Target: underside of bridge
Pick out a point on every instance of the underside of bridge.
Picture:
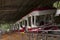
(12, 10)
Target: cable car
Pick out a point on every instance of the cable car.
(38, 19)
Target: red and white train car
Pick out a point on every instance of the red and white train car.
(38, 19)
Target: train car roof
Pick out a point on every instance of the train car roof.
(43, 8)
(37, 10)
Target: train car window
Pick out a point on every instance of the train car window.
(29, 21)
(33, 19)
(20, 24)
(40, 20)
(25, 22)
(48, 19)
(57, 20)
(12, 27)
(37, 20)
(16, 26)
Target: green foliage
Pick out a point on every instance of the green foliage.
(57, 4)
(4, 26)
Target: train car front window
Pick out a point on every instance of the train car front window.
(44, 19)
(40, 20)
